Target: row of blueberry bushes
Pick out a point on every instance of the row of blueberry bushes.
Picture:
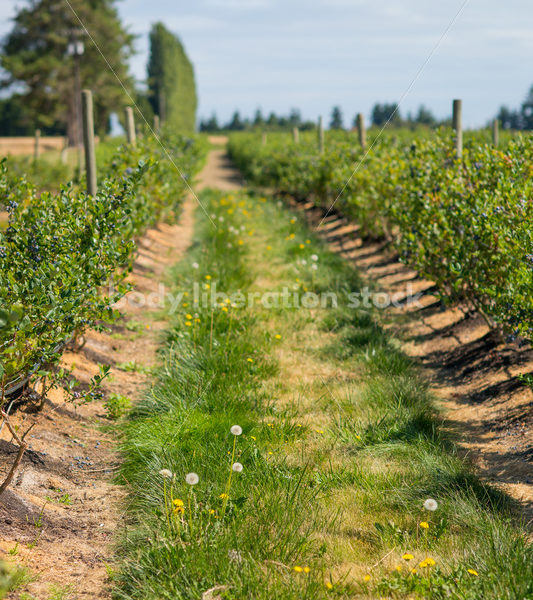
(465, 224)
(60, 250)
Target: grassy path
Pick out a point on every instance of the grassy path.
(287, 450)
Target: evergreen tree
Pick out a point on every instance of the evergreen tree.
(171, 81)
(383, 113)
(35, 59)
(336, 118)
(258, 118)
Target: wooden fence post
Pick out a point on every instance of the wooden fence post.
(457, 122)
(88, 140)
(64, 151)
(296, 135)
(496, 133)
(156, 124)
(361, 131)
(36, 148)
(130, 126)
(320, 136)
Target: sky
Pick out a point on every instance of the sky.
(281, 54)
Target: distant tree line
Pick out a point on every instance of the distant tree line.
(381, 114)
(521, 118)
(271, 122)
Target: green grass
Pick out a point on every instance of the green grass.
(341, 444)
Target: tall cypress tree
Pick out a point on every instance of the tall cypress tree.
(35, 55)
(171, 81)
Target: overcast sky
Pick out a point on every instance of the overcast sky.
(312, 54)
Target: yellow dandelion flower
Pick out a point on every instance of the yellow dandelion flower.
(208, 277)
(302, 246)
(424, 525)
(185, 304)
(179, 507)
(307, 241)
(413, 571)
(329, 585)
(188, 323)
(307, 569)
(428, 562)
(250, 232)
(398, 568)
(291, 236)
(298, 424)
(278, 336)
(269, 247)
(240, 242)
(270, 453)
(298, 569)
(211, 511)
(407, 556)
(223, 496)
(473, 572)
(319, 430)
(293, 221)
(197, 320)
(367, 578)
(188, 317)
(225, 308)
(250, 360)
(185, 294)
(253, 438)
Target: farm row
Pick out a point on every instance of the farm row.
(64, 255)
(463, 223)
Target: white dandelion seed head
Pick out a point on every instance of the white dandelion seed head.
(314, 267)
(165, 473)
(221, 219)
(237, 467)
(431, 504)
(236, 429)
(235, 556)
(195, 265)
(192, 478)
(304, 262)
(314, 257)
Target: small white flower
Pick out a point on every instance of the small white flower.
(192, 478)
(165, 473)
(221, 219)
(237, 467)
(236, 429)
(195, 265)
(304, 262)
(314, 267)
(314, 257)
(431, 504)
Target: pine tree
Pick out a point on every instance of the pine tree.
(34, 54)
(336, 118)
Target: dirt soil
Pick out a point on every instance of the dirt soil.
(60, 514)
(473, 371)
